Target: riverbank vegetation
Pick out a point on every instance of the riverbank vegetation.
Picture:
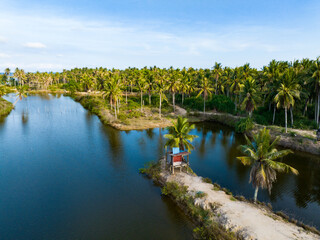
(269, 95)
(5, 106)
(217, 214)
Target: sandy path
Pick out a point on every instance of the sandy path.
(248, 219)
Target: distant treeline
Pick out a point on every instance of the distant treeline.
(291, 86)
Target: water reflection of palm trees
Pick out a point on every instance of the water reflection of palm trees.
(308, 185)
(24, 117)
(150, 133)
(115, 145)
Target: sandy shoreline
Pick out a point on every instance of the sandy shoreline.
(245, 219)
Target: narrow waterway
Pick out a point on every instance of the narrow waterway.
(63, 175)
(215, 157)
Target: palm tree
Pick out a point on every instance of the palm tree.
(161, 86)
(3, 90)
(179, 136)
(149, 83)
(316, 77)
(251, 95)
(141, 83)
(7, 71)
(217, 72)
(173, 86)
(262, 155)
(112, 90)
(287, 91)
(236, 85)
(22, 92)
(206, 89)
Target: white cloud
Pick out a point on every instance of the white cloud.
(3, 39)
(4, 55)
(34, 45)
(90, 43)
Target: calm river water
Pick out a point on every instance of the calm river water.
(63, 175)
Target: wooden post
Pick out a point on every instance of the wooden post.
(187, 163)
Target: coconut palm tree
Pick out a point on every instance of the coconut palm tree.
(217, 72)
(173, 85)
(179, 136)
(262, 155)
(287, 92)
(161, 86)
(141, 84)
(316, 79)
(22, 92)
(251, 94)
(112, 90)
(206, 89)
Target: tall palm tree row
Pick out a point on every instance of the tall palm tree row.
(293, 86)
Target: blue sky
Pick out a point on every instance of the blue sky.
(52, 35)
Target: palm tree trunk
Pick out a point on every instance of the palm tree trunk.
(315, 110)
(318, 108)
(160, 106)
(305, 108)
(274, 114)
(204, 105)
(15, 102)
(285, 113)
(291, 114)
(149, 98)
(215, 92)
(118, 104)
(141, 99)
(174, 102)
(255, 194)
(115, 110)
(182, 97)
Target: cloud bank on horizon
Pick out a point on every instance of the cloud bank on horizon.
(55, 35)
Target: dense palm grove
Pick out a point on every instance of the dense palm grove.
(278, 93)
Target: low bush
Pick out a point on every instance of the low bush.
(244, 125)
(220, 103)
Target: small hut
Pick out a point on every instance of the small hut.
(178, 159)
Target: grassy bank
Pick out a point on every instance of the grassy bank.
(217, 214)
(5, 107)
(299, 140)
(130, 115)
(205, 225)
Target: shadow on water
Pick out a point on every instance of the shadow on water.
(70, 177)
(114, 140)
(298, 196)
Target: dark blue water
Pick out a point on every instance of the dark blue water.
(63, 175)
(215, 157)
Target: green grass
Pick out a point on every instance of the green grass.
(5, 107)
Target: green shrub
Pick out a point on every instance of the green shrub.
(220, 103)
(244, 125)
(207, 180)
(200, 194)
(152, 169)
